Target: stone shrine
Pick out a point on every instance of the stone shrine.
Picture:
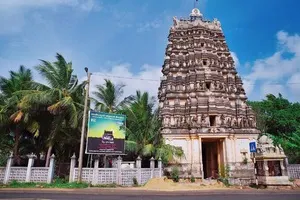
(270, 163)
(202, 100)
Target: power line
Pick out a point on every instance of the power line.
(123, 77)
(156, 80)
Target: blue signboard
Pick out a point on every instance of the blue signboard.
(252, 146)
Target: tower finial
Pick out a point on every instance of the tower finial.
(195, 14)
(195, 3)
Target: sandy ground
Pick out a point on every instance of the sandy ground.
(168, 185)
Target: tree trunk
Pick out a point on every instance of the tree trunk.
(38, 159)
(48, 156)
(16, 147)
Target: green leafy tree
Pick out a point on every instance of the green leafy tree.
(107, 97)
(281, 119)
(62, 97)
(9, 116)
(143, 130)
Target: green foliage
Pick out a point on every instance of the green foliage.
(224, 174)
(108, 96)
(175, 174)
(112, 185)
(39, 118)
(135, 182)
(281, 119)
(143, 130)
(193, 179)
(59, 184)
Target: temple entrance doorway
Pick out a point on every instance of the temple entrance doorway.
(212, 157)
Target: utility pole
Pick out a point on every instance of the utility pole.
(83, 124)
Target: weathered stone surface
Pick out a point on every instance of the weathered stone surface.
(201, 95)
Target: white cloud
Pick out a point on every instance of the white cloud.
(293, 84)
(282, 65)
(147, 26)
(86, 5)
(147, 79)
(235, 58)
(248, 85)
(271, 88)
(14, 13)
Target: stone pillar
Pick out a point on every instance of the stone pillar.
(139, 170)
(95, 171)
(8, 167)
(159, 166)
(119, 170)
(225, 159)
(189, 154)
(29, 166)
(234, 149)
(51, 169)
(266, 168)
(284, 171)
(152, 166)
(192, 159)
(72, 169)
(201, 158)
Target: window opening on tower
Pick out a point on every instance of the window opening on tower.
(212, 120)
(208, 85)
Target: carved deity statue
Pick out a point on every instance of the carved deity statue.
(245, 122)
(223, 120)
(199, 119)
(234, 122)
(194, 121)
(218, 120)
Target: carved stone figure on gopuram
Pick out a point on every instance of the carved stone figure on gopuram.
(201, 95)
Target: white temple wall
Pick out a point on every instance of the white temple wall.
(196, 151)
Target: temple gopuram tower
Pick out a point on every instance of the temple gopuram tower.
(202, 100)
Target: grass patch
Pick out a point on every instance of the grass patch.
(58, 184)
(112, 185)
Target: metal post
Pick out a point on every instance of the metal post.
(255, 170)
(83, 126)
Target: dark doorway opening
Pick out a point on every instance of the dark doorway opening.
(210, 159)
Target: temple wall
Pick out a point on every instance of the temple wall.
(230, 149)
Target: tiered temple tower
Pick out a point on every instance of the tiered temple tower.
(202, 100)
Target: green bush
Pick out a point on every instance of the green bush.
(135, 182)
(193, 179)
(175, 174)
(224, 174)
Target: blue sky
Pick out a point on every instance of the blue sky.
(128, 38)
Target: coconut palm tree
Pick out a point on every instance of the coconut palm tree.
(62, 97)
(107, 97)
(9, 115)
(143, 130)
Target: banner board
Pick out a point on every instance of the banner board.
(106, 133)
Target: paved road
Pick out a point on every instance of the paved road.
(250, 195)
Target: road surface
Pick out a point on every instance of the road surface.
(149, 195)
